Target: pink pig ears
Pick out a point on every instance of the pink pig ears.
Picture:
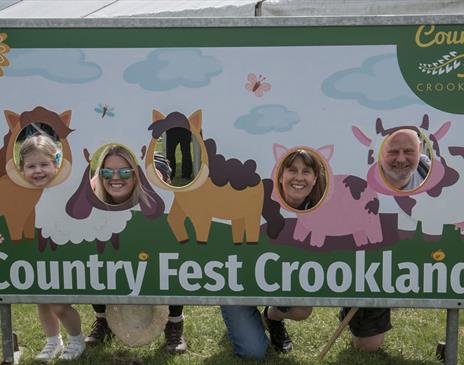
(279, 151)
(326, 151)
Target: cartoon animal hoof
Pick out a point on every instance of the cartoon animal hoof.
(53, 245)
(252, 243)
(202, 242)
(237, 243)
(184, 241)
(431, 237)
(115, 241)
(100, 246)
(404, 235)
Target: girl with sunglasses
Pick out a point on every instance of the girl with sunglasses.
(116, 181)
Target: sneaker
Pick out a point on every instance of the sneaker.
(50, 351)
(280, 339)
(100, 333)
(73, 350)
(175, 342)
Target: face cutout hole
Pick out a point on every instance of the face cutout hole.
(177, 158)
(38, 154)
(302, 179)
(405, 159)
(114, 175)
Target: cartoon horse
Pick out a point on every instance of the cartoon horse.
(18, 197)
(224, 189)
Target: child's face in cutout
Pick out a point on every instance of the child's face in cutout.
(39, 169)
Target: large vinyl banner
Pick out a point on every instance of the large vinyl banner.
(284, 165)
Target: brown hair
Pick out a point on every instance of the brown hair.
(315, 164)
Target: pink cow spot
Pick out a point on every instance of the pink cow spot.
(350, 208)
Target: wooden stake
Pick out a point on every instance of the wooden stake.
(337, 333)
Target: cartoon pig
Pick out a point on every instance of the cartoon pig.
(349, 207)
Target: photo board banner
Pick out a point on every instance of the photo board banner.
(210, 115)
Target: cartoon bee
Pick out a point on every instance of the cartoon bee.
(438, 255)
(105, 110)
(257, 85)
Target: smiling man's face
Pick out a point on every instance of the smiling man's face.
(400, 157)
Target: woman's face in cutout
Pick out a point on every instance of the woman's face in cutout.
(297, 182)
(120, 189)
(38, 169)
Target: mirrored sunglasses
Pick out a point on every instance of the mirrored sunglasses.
(124, 173)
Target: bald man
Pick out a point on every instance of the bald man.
(403, 165)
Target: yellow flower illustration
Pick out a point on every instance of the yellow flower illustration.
(4, 49)
(438, 255)
(143, 256)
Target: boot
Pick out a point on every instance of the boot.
(175, 342)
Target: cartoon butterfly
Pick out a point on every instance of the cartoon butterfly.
(257, 85)
(105, 110)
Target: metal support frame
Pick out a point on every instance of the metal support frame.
(452, 330)
(7, 334)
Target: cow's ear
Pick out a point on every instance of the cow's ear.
(326, 151)
(361, 137)
(441, 132)
(278, 151)
(156, 115)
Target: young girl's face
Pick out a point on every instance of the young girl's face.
(39, 169)
(118, 178)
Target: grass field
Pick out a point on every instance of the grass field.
(412, 341)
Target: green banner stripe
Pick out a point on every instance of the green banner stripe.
(201, 37)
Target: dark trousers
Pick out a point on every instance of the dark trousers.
(182, 136)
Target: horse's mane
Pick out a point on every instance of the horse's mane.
(173, 120)
(42, 115)
(221, 171)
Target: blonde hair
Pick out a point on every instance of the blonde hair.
(138, 194)
(39, 143)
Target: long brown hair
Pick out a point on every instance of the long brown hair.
(312, 162)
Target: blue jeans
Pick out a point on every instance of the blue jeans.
(246, 331)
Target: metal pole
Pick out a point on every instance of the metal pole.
(7, 334)
(452, 328)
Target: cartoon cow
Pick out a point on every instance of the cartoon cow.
(349, 207)
(436, 201)
(18, 197)
(224, 189)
